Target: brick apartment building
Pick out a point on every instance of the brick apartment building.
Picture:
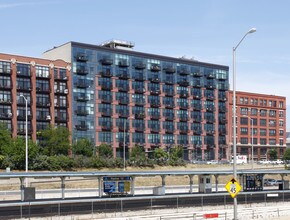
(45, 84)
(267, 115)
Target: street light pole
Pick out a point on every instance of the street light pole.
(26, 139)
(234, 117)
(124, 148)
(252, 133)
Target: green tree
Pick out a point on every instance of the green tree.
(55, 141)
(273, 154)
(176, 153)
(105, 151)
(286, 155)
(83, 147)
(5, 138)
(137, 153)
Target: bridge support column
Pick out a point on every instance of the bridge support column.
(100, 186)
(22, 188)
(133, 186)
(190, 183)
(216, 183)
(62, 187)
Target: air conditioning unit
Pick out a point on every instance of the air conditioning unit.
(57, 90)
(48, 117)
(9, 114)
(18, 72)
(65, 91)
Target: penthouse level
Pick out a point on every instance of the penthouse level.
(123, 97)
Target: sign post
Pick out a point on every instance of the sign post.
(233, 187)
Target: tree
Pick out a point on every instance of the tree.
(105, 151)
(273, 154)
(160, 155)
(286, 155)
(176, 153)
(83, 147)
(5, 138)
(55, 141)
(137, 153)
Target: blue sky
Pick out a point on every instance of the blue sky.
(204, 29)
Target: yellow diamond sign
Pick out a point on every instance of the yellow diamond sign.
(233, 187)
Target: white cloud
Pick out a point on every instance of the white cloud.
(13, 5)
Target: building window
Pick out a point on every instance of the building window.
(246, 101)
(244, 111)
(272, 123)
(244, 130)
(281, 142)
(272, 141)
(281, 132)
(244, 140)
(42, 71)
(5, 67)
(281, 104)
(263, 112)
(263, 122)
(263, 141)
(244, 121)
(241, 100)
(272, 113)
(254, 111)
(272, 132)
(281, 114)
(263, 132)
(281, 123)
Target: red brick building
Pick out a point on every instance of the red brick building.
(45, 84)
(266, 114)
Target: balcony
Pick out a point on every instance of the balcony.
(183, 95)
(196, 131)
(154, 130)
(139, 66)
(123, 63)
(222, 131)
(82, 99)
(183, 119)
(155, 68)
(169, 117)
(139, 129)
(169, 82)
(183, 107)
(197, 74)
(183, 72)
(196, 84)
(107, 87)
(170, 106)
(139, 103)
(155, 105)
(140, 78)
(124, 101)
(81, 112)
(105, 113)
(23, 74)
(140, 115)
(5, 115)
(42, 104)
(7, 87)
(124, 76)
(155, 117)
(106, 127)
(106, 74)
(123, 114)
(183, 131)
(106, 99)
(123, 88)
(6, 71)
(210, 97)
(169, 130)
(106, 61)
(82, 58)
(82, 84)
(210, 76)
(82, 71)
(196, 95)
(155, 92)
(210, 108)
(140, 90)
(183, 83)
(82, 127)
(223, 87)
(5, 101)
(210, 132)
(169, 69)
(210, 86)
(223, 98)
(155, 80)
